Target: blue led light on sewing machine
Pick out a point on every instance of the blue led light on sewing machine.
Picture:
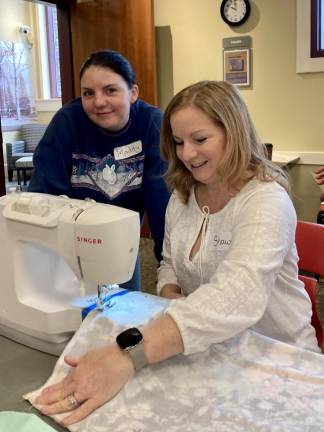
(106, 302)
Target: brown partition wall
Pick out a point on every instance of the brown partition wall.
(122, 25)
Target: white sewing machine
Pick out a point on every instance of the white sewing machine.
(53, 251)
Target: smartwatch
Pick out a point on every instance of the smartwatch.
(131, 341)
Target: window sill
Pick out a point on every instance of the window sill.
(284, 158)
(48, 105)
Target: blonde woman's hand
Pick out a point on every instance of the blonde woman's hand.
(94, 379)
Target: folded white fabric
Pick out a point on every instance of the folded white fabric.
(249, 383)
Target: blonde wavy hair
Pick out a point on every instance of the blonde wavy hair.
(245, 155)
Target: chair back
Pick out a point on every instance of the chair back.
(310, 248)
(32, 133)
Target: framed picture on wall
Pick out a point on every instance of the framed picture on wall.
(236, 66)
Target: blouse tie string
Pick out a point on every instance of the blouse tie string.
(206, 213)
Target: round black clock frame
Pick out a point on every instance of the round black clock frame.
(225, 16)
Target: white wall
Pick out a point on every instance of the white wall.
(14, 13)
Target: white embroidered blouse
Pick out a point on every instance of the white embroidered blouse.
(245, 274)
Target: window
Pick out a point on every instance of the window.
(47, 60)
(317, 28)
(304, 61)
(16, 90)
(49, 52)
(29, 70)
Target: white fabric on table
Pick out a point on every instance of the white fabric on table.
(248, 383)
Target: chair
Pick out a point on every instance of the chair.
(310, 248)
(269, 148)
(29, 137)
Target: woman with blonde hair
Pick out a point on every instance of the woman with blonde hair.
(229, 244)
(245, 156)
(229, 256)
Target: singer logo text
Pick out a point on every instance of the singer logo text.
(89, 240)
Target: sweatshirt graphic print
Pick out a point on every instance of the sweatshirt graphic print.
(111, 175)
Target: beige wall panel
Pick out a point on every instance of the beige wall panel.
(287, 107)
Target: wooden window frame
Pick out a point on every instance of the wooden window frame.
(54, 77)
(304, 62)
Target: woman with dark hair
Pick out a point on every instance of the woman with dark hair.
(229, 255)
(105, 146)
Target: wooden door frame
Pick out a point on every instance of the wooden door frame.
(66, 58)
(65, 47)
(2, 168)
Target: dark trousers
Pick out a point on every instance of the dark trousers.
(135, 283)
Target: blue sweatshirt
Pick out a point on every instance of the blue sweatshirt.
(79, 159)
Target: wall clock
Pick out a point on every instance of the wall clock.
(235, 12)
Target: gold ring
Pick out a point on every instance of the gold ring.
(73, 403)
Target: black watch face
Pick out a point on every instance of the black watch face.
(129, 338)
